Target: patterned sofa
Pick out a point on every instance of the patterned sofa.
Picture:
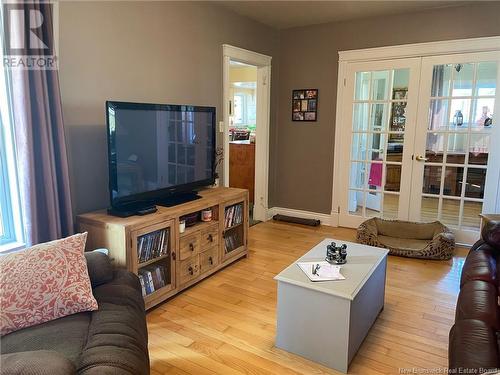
(111, 340)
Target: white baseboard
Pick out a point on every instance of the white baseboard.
(325, 219)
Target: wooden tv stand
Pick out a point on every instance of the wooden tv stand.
(172, 259)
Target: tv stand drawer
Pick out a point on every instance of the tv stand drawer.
(209, 259)
(189, 245)
(209, 237)
(189, 269)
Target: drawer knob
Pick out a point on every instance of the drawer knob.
(210, 260)
(191, 247)
(211, 238)
(190, 269)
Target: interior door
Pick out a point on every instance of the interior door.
(455, 168)
(380, 123)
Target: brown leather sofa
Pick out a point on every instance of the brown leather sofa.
(474, 339)
(110, 341)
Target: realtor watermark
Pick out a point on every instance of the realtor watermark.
(30, 35)
(445, 370)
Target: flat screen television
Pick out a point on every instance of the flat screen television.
(158, 153)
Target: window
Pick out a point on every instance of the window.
(239, 109)
(11, 229)
(245, 109)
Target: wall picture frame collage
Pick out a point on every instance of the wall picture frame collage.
(305, 105)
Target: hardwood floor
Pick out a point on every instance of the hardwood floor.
(226, 323)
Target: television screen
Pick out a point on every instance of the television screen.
(155, 147)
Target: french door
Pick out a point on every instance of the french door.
(420, 132)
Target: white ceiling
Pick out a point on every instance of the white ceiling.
(287, 14)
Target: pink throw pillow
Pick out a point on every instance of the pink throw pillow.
(43, 283)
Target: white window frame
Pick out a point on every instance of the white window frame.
(10, 203)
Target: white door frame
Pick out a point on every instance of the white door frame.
(419, 50)
(263, 64)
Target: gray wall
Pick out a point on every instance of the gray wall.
(160, 52)
(303, 163)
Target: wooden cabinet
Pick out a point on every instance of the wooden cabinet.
(152, 246)
(242, 166)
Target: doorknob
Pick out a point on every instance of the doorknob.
(421, 158)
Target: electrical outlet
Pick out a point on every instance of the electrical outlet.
(221, 126)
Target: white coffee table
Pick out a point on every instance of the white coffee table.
(327, 321)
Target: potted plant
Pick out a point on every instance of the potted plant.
(219, 157)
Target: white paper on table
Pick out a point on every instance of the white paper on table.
(326, 272)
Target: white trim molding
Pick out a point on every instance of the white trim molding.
(246, 56)
(446, 47)
(263, 64)
(325, 219)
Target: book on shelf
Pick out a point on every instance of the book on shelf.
(233, 241)
(152, 245)
(143, 285)
(233, 215)
(153, 278)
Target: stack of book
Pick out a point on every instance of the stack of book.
(233, 240)
(233, 215)
(152, 245)
(153, 278)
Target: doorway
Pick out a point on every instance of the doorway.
(242, 129)
(246, 125)
(420, 132)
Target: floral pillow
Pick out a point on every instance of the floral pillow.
(43, 283)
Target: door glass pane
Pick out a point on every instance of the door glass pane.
(438, 113)
(441, 78)
(432, 179)
(375, 176)
(395, 147)
(398, 117)
(457, 148)
(362, 91)
(392, 177)
(453, 179)
(482, 115)
(373, 204)
(486, 79)
(462, 79)
(360, 116)
(359, 146)
(381, 83)
(356, 202)
(435, 147)
(471, 213)
(391, 205)
(378, 117)
(450, 211)
(476, 179)
(400, 84)
(377, 146)
(357, 175)
(459, 114)
(429, 209)
(478, 149)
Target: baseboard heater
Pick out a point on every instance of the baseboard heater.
(297, 220)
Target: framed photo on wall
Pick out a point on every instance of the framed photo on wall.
(305, 105)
